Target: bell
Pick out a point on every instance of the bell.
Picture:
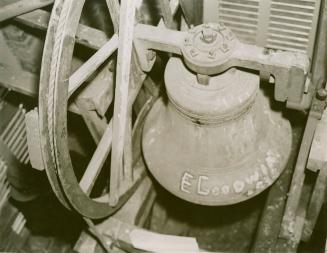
(214, 144)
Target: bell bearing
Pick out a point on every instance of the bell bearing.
(214, 144)
(208, 46)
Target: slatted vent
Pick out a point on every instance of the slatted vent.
(241, 16)
(280, 24)
(290, 24)
(14, 136)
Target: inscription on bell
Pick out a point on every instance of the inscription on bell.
(205, 185)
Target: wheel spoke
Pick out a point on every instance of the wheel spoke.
(12, 10)
(128, 152)
(92, 64)
(121, 110)
(167, 14)
(113, 6)
(94, 123)
(98, 159)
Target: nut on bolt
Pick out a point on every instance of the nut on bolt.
(321, 94)
(208, 35)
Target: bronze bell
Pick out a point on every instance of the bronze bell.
(215, 144)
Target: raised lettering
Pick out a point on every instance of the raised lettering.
(215, 190)
(252, 178)
(185, 183)
(201, 190)
(250, 192)
(238, 186)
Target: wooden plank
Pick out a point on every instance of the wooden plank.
(161, 39)
(85, 35)
(98, 91)
(113, 6)
(319, 63)
(15, 9)
(193, 11)
(33, 140)
(97, 161)
(289, 220)
(174, 5)
(124, 60)
(316, 203)
(167, 14)
(7, 54)
(134, 212)
(92, 64)
(94, 123)
(128, 151)
(19, 80)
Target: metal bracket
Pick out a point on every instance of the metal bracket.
(210, 57)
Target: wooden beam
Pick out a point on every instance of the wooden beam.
(18, 80)
(121, 110)
(134, 212)
(113, 6)
(23, 6)
(92, 64)
(167, 14)
(85, 35)
(161, 39)
(97, 161)
(193, 11)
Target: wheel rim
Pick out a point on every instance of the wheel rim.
(54, 97)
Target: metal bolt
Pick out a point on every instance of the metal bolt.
(203, 79)
(208, 35)
(322, 94)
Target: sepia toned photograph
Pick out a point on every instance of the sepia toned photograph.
(165, 126)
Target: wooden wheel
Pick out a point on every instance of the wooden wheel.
(57, 85)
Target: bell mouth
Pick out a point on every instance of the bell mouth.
(207, 165)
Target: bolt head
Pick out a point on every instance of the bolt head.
(208, 35)
(322, 94)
